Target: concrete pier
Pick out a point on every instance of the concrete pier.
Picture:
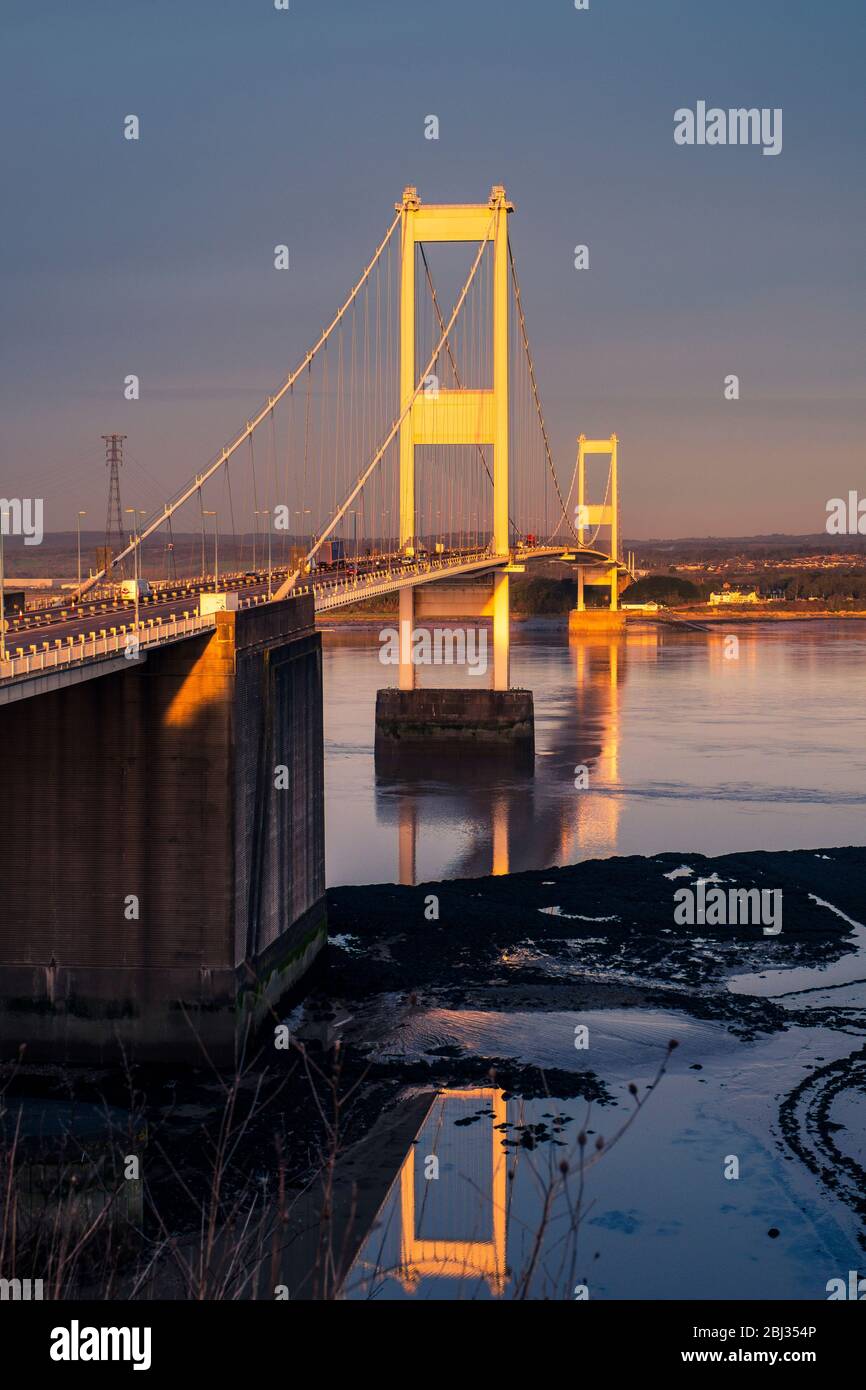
(610, 620)
(162, 845)
(480, 718)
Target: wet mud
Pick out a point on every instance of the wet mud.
(601, 936)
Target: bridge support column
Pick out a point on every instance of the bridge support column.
(420, 720)
(596, 620)
(407, 628)
(456, 416)
(501, 633)
(608, 619)
(614, 591)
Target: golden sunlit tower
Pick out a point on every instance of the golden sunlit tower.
(455, 416)
(598, 515)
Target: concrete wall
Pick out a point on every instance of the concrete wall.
(279, 918)
(158, 783)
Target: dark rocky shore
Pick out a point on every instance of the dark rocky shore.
(576, 932)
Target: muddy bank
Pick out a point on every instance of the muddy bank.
(591, 936)
(590, 924)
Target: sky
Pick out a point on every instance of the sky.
(302, 127)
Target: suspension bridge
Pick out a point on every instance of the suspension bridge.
(408, 444)
(162, 834)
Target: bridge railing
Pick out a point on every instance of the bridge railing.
(74, 652)
(342, 591)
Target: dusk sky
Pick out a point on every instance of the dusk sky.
(261, 127)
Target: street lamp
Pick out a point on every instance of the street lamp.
(78, 519)
(270, 582)
(216, 557)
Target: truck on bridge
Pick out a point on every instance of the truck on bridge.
(329, 555)
(130, 587)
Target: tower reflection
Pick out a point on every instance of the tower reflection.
(599, 672)
(445, 1217)
(454, 1226)
(514, 818)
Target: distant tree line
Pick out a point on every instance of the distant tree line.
(826, 584)
(541, 597)
(667, 589)
(832, 586)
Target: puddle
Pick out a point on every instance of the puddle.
(801, 981)
(619, 1041)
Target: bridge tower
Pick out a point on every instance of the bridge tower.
(595, 516)
(498, 717)
(455, 416)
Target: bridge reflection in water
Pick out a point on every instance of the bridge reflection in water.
(525, 819)
(445, 1217)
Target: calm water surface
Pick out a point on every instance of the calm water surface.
(657, 1220)
(686, 749)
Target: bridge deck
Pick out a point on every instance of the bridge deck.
(59, 643)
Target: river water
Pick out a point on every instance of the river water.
(686, 748)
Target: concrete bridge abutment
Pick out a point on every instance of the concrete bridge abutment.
(162, 846)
